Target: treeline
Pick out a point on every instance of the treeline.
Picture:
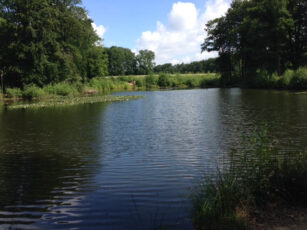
(205, 66)
(123, 61)
(259, 37)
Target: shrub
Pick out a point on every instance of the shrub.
(79, 86)
(164, 80)
(210, 82)
(299, 80)
(286, 78)
(63, 89)
(102, 84)
(14, 92)
(192, 82)
(140, 83)
(32, 91)
(150, 81)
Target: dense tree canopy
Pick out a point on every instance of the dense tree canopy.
(268, 35)
(121, 61)
(46, 41)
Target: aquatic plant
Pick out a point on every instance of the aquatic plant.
(69, 101)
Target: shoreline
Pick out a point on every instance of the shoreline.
(71, 101)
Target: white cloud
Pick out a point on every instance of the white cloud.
(180, 39)
(100, 30)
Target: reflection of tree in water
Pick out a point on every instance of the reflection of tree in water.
(46, 156)
(240, 113)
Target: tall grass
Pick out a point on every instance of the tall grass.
(290, 79)
(32, 91)
(62, 89)
(163, 81)
(14, 93)
(109, 84)
(257, 176)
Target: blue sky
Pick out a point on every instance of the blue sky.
(172, 29)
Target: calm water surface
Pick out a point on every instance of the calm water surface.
(130, 165)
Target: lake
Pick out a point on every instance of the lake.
(132, 164)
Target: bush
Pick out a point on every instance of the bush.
(150, 81)
(13, 92)
(32, 91)
(299, 80)
(210, 82)
(285, 79)
(192, 83)
(140, 83)
(102, 84)
(64, 89)
(164, 80)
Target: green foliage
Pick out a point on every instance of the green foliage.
(151, 81)
(61, 89)
(257, 175)
(210, 81)
(13, 93)
(299, 80)
(145, 62)
(32, 91)
(140, 83)
(204, 66)
(265, 35)
(45, 42)
(97, 63)
(286, 78)
(214, 205)
(121, 61)
(290, 79)
(164, 81)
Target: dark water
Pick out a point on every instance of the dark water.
(130, 165)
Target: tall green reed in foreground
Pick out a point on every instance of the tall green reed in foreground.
(258, 174)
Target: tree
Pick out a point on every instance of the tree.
(44, 41)
(258, 34)
(145, 61)
(97, 62)
(121, 61)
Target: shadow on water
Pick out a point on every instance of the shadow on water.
(47, 161)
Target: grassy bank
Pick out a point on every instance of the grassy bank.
(109, 84)
(257, 178)
(71, 93)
